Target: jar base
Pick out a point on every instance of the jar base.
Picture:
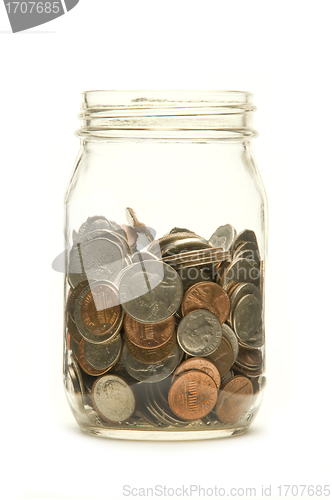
(150, 435)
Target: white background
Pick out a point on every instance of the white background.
(281, 51)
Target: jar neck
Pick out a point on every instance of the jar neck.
(166, 116)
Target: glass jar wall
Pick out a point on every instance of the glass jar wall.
(165, 251)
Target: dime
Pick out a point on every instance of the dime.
(247, 317)
(229, 334)
(223, 356)
(98, 259)
(85, 365)
(103, 356)
(199, 333)
(234, 400)
(209, 296)
(193, 395)
(153, 355)
(113, 399)
(151, 372)
(98, 316)
(150, 292)
(223, 237)
(202, 365)
(149, 335)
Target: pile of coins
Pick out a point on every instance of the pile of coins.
(165, 337)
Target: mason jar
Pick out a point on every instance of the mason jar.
(165, 234)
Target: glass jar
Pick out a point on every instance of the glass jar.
(165, 251)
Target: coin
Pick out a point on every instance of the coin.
(98, 316)
(99, 259)
(200, 364)
(153, 355)
(192, 275)
(151, 372)
(117, 238)
(209, 296)
(113, 399)
(250, 357)
(103, 356)
(247, 317)
(229, 334)
(73, 391)
(150, 292)
(85, 365)
(245, 236)
(234, 400)
(242, 289)
(149, 335)
(223, 356)
(72, 297)
(193, 395)
(72, 329)
(199, 333)
(223, 237)
(240, 271)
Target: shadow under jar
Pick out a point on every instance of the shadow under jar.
(165, 251)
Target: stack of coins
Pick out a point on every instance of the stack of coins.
(168, 337)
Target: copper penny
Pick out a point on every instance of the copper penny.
(193, 395)
(234, 400)
(223, 356)
(153, 355)
(149, 335)
(100, 311)
(209, 296)
(85, 365)
(202, 365)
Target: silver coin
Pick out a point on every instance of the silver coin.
(247, 317)
(105, 298)
(185, 245)
(240, 291)
(113, 399)
(142, 256)
(103, 356)
(228, 333)
(245, 236)
(151, 291)
(199, 333)
(223, 237)
(151, 372)
(74, 385)
(240, 271)
(97, 259)
(109, 235)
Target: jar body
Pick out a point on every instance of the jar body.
(164, 289)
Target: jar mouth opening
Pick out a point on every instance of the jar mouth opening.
(128, 113)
